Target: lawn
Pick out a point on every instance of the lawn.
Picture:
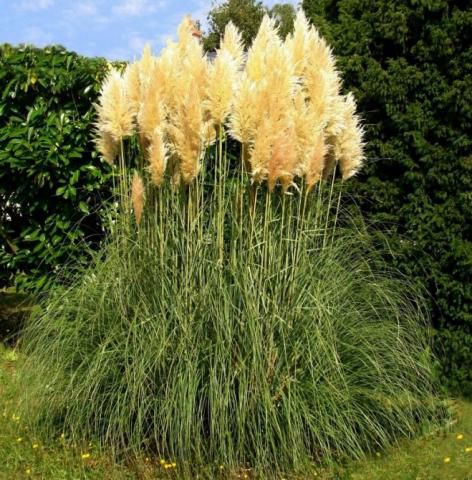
(444, 455)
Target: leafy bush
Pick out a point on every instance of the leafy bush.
(51, 189)
(410, 65)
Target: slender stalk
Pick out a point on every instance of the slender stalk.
(328, 208)
(338, 206)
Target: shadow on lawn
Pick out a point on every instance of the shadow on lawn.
(14, 310)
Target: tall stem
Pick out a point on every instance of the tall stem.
(328, 209)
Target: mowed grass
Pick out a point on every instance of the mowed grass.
(443, 455)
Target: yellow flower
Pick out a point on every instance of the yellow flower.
(19, 439)
(447, 459)
(460, 436)
(167, 465)
(221, 467)
(84, 456)
(162, 461)
(174, 465)
(35, 445)
(28, 471)
(468, 449)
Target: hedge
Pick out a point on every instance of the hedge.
(51, 184)
(410, 65)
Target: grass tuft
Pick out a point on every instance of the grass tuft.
(272, 345)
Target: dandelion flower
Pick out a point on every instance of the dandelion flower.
(460, 436)
(447, 460)
(84, 456)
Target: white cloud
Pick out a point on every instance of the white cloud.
(35, 4)
(87, 8)
(37, 36)
(137, 7)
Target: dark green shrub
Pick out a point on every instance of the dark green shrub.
(410, 65)
(52, 187)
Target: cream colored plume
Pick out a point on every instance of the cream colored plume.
(233, 44)
(107, 147)
(243, 119)
(315, 160)
(133, 86)
(349, 145)
(261, 151)
(256, 65)
(151, 113)
(137, 197)
(189, 136)
(298, 42)
(189, 129)
(158, 153)
(115, 111)
(221, 86)
(283, 161)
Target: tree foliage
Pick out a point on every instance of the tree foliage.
(51, 187)
(410, 64)
(247, 16)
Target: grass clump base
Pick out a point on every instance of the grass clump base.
(273, 359)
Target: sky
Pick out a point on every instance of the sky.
(114, 29)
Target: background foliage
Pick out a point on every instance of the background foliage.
(51, 185)
(410, 65)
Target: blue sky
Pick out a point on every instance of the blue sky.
(115, 29)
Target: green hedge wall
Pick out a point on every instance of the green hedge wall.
(410, 65)
(51, 185)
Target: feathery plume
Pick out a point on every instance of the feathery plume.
(297, 42)
(348, 145)
(106, 146)
(261, 151)
(256, 59)
(133, 86)
(151, 113)
(243, 116)
(282, 164)
(187, 132)
(158, 153)
(233, 43)
(115, 112)
(222, 79)
(137, 196)
(315, 160)
(146, 63)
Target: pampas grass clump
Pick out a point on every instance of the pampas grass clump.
(237, 316)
